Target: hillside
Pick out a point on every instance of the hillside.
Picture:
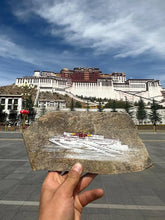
(16, 90)
(57, 96)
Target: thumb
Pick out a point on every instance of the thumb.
(72, 179)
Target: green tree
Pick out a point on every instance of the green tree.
(154, 115)
(72, 105)
(26, 94)
(117, 104)
(32, 114)
(78, 105)
(29, 102)
(30, 107)
(99, 106)
(127, 107)
(113, 106)
(141, 112)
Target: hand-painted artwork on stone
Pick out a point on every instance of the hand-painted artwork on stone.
(81, 145)
(103, 142)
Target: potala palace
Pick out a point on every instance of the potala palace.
(91, 82)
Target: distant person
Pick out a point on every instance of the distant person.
(60, 195)
(154, 126)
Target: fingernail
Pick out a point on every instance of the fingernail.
(77, 167)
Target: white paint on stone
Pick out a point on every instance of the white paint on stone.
(93, 147)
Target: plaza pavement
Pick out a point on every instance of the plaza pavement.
(132, 196)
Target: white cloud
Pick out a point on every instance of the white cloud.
(41, 57)
(126, 28)
(8, 49)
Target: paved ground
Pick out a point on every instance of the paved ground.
(134, 196)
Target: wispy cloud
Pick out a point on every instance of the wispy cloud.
(124, 28)
(9, 49)
(40, 57)
(14, 57)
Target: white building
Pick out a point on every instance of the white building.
(111, 86)
(52, 104)
(132, 90)
(46, 81)
(48, 105)
(11, 102)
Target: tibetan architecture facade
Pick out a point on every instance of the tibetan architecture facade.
(81, 74)
(11, 102)
(91, 82)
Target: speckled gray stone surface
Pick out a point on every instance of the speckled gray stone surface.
(111, 125)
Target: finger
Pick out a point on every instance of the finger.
(49, 187)
(85, 181)
(72, 179)
(52, 180)
(48, 180)
(90, 196)
(64, 175)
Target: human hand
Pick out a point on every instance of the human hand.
(60, 195)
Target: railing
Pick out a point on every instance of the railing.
(159, 127)
(13, 128)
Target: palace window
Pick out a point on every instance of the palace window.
(15, 101)
(15, 107)
(9, 107)
(10, 101)
(2, 101)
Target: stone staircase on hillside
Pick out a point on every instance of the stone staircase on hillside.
(139, 96)
(79, 99)
(37, 96)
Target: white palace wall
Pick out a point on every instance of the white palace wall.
(155, 92)
(44, 83)
(92, 90)
(113, 92)
(132, 90)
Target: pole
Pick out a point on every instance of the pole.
(24, 117)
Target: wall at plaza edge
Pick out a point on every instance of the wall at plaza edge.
(133, 110)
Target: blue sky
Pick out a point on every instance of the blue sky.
(116, 36)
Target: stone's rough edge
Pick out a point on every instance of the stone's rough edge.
(36, 164)
(111, 169)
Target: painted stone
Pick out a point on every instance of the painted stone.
(104, 142)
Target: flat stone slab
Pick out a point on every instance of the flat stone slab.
(104, 142)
